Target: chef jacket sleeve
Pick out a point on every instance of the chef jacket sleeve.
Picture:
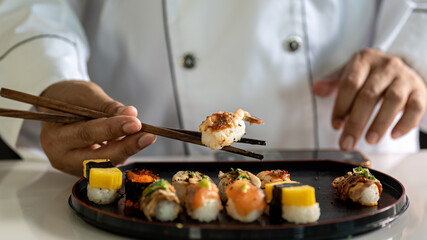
(402, 31)
(41, 42)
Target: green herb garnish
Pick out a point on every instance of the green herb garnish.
(238, 170)
(243, 176)
(245, 187)
(160, 183)
(204, 183)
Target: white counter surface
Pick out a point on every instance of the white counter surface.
(34, 200)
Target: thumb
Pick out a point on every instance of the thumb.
(329, 85)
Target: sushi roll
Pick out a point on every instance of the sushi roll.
(202, 201)
(223, 128)
(360, 186)
(273, 176)
(268, 191)
(135, 183)
(182, 179)
(233, 175)
(103, 182)
(245, 201)
(159, 201)
(293, 202)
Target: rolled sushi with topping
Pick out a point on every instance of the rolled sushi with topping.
(245, 201)
(360, 186)
(293, 202)
(159, 200)
(202, 201)
(104, 180)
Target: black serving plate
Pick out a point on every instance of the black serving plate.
(338, 219)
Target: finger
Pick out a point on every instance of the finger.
(329, 85)
(351, 81)
(85, 94)
(129, 111)
(323, 88)
(363, 107)
(412, 114)
(83, 134)
(393, 102)
(121, 150)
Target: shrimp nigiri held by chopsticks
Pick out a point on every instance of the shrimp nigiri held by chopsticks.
(360, 186)
(223, 128)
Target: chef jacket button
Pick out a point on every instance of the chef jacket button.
(188, 61)
(293, 43)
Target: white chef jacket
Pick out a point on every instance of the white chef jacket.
(135, 50)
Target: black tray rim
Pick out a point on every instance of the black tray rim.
(398, 207)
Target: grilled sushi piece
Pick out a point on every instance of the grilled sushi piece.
(360, 186)
(233, 175)
(245, 201)
(135, 183)
(293, 202)
(182, 179)
(223, 128)
(273, 176)
(202, 201)
(159, 201)
(104, 180)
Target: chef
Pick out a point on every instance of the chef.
(321, 74)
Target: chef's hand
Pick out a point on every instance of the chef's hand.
(115, 138)
(369, 78)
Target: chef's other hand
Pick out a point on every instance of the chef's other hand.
(116, 138)
(369, 78)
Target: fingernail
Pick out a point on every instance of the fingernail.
(131, 111)
(372, 137)
(146, 140)
(396, 134)
(131, 127)
(347, 144)
(337, 123)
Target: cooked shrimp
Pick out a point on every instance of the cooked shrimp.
(223, 128)
(273, 176)
(360, 186)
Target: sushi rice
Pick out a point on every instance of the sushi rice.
(301, 214)
(101, 195)
(250, 217)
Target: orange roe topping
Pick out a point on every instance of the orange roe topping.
(129, 203)
(142, 176)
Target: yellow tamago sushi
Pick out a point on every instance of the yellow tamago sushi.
(293, 202)
(103, 181)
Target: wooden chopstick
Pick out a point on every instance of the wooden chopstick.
(48, 117)
(242, 140)
(87, 114)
